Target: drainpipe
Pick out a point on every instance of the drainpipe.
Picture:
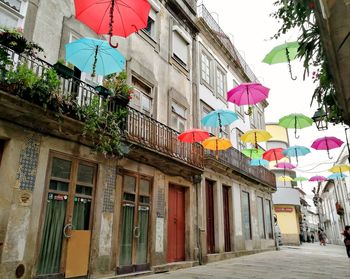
(197, 183)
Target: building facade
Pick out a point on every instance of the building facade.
(67, 211)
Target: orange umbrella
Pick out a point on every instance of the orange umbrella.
(215, 143)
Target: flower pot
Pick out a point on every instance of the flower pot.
(117, 101)
(63, 70)
(103, 91)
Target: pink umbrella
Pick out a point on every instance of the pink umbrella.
(248, 94)
(285, 166)
(327, 143)
(317, 178)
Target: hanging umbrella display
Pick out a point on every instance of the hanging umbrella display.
(219, 118)
(285, 178)
(248, 94)
(317, 178)
(273, 154)
(300, 179)
(94, 56)
(113, 17)
(255, 136)
(193, 135)
(296, 151)
(295, 121)
(339, 168)
(258, 162)
(336, 176)
(253, 153)
(283, 53)
(216, 144)
(285, 166)
(327, 143)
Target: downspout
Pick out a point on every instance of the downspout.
(197, 183)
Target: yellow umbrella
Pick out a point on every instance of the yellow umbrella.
(255, 136)
(285, 179)
(215, 143)
(339, 168)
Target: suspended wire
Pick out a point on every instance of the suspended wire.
(301, 168)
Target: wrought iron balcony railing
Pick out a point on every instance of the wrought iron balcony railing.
(241, 164)
(225, 40)
(140, 128)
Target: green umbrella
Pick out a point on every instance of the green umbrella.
(253, 153)
(283, 53)
(295, 121)
(300, 179)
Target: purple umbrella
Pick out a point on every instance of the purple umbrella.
(327, 143)
(285, 166)
(248, 94)
(317, 178)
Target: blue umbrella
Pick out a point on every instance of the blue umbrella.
(295, 151)
(337, 176)
(219, 118)
(259, 162)
(94, 56)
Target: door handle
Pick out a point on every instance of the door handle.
(68, 227)
(175, 221)
(136, 229)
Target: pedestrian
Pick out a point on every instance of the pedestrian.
(322, 237)
(312, 237)
(346, 234)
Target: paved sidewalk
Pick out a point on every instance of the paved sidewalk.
(307, 261)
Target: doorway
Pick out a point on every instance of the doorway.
(176, 224)
(210, 216)
(226, 205)
(65, 244)
(135, 217)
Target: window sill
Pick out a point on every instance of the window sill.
(183, 69)
(144, 35)
(207, 85)
(10, 9)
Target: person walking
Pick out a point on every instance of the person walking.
(312, 237)
(346, 234)
(322, 237)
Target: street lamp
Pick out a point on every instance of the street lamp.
(320, 119)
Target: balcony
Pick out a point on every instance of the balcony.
(233, 163)
(151, 142)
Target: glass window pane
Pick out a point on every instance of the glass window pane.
(81, 214)
(128, 197)
(86, 174)
(58, 186)
(85, 190)
(246, 215)
(144, 199)
(125, 256)
(61, 168)
(144, 187)
(129, 184)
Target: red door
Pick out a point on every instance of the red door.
(225, 195)
(210, 216)
(176, 224)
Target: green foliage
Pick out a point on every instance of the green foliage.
(117, 84)
(105, 128)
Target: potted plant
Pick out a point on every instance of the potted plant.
(63, 70)
(103, 91)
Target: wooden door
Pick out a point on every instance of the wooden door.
(176, 224)
(226, 205)
(210, 216)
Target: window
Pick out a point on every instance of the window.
(14, 4)
(150, 29)
(220, 83)
(142, 96)
(178, 117)
(247, 233)
(260, 205)
(240, 143)
(180, 47)
(205, 68)
(257, 118)
(10, 13)
(268, 218)
(205, 109)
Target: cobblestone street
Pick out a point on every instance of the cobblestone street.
(307, 261)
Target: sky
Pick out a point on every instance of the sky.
(250, 27)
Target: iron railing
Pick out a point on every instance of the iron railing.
(225, 40)
(239, 162)
(140, 128)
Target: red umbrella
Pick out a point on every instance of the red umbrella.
(273, 154)
(327, 143)
(193, 135)
(113, 17)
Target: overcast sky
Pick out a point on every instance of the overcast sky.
(250, 27)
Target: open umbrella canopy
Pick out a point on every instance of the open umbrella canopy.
(216, 144)
(284, 178)
(300, 178)
(296, 151)
(285, 165)
(317, 178)
(94, 56)
(273, 154)
(113, 17)
(339, 168)
(295, 121)
(337, 176)
(327, 143)
(219, 118)
(255, 136)
(259, 162)
(283, 53)
(253, 153)
(248, 94)
(193, 135)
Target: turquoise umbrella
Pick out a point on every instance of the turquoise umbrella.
(337, 176)
(219, 118)
(94, 56)
(295, 151)
(259, 162)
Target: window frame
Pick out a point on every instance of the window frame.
(178, 116)
(269, 228)
(142, 93)
(204, 52)
(17, 15)
(152, 37)
(182, 65)
(219, 68)
(249, 216)
(263, 223)
(240, 143)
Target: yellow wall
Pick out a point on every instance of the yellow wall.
(287, 221)
(277, 132)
